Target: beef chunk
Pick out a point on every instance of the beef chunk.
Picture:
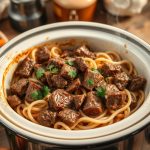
(58, 81)
(58, 63)
(69, 116)
(121, 80)
(137, 83)
(33, 87)
(68, 72)
(47, 118)
(19, 87)
(67, 53)
(80, 64)
(93, 105)
(37, 66)
(42, 55)
(43, 79)
(78, 100)
(111, 88)
(83, 51)
(115, 100)
(13, 101)
(48, 76)
(91, 79)
(55, 80)
(109, 69)
(74, 85)
(102, 84)
(60, 99)
(25, 68)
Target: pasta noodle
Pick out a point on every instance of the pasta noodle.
(55, 52)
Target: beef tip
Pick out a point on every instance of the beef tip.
(60, 99)
(54, 65)
(80, 64)
(121, 80)
(93, 105)
(67, 53)
(137, 83)
(58, 81)
(68, 72)
(58, 63)
(25, 68)
(116, 100)
(48, 76)
(13, 101)
(78, 100)
(109, 69)
(42, 55)
(68, 116)
(102, 84)
(37, 66)
(111, 88)
(74, 85)
(55, 80)
(32, 88)
(19, 87)
(91, 79)
(47, 118)
(83, 51)
(43, 79)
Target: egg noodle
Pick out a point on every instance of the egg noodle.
(31, 110)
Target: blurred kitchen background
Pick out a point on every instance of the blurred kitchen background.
(17, 16)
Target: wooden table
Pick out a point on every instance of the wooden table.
(138, 24)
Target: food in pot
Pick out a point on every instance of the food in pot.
(75, 89)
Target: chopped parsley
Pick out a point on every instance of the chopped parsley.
(70, 63)
(39, 94)
(39, 73)
(100, 91)
(53, 69)
(90, 82)
(45, 90)
(72, 73)
(36, 95)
